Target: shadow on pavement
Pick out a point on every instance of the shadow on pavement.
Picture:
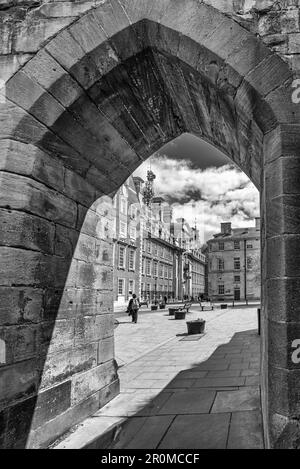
(214, 405)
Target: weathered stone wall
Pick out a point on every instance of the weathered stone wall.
(26, 25)
(56, 318)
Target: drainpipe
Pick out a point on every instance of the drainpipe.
(245, 270)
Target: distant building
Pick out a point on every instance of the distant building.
(234, 263)
(126, 247)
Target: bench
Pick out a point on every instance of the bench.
(185, 307)
(210, 306)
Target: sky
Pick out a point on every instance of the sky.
(202, 185)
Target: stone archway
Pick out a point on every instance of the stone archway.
(77, 118)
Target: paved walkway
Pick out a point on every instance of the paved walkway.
(180, 391)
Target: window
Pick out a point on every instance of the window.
(148, 288)
(170, 272)
(121, 286)
(143, 266)
(166, 271)
(166, 288)
(155, 249)
(133, 211)
(161, 271)
(221, 246)
(123, 206)
(237, 263)
(249, 263)
(155, 265)
(148, 267)
(236, 245)
(131, 286)
(143, 244)
(132, 232)
(131, 259)
(221, 290)
(237, 278)
(121, 257)
(220, 264)
(123, 229)
(161, 252)
(148, 246)
(249, 246)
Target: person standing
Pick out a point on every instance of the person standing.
(134, 307)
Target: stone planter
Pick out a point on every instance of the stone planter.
(161, 306)
(195, 327)
(154, 307)
(180, 314)
(224, 306)
(172, 311)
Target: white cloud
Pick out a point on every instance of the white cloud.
(211, 195)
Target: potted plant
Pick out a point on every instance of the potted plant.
(180, 314)
(196, 327)
(172, 311)
(154, 307)
(162, 305)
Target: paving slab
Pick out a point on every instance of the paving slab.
(188, 402)
(246, 430)
(247, 398)
(142, 432)
(205, 431)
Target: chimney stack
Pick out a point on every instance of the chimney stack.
(226, 228)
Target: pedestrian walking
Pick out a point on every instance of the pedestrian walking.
(133, 308)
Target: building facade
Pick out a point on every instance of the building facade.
(154, 256)
(234, 263)
(126, 246)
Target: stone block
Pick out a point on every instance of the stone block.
(65, 241)
(92, 302)
(22, 193)
(20, 342)
(19, 418)
(26, 231)
(23, 267)
(85, 249)
(269, 74)
(43, 436)
(78, 189)
(28, 160)
(294, 43)
(56, 336)
(94, 276)
(106, 350)
(286, 261)
(111, 17)
(283, 300)
(85, 384)
(20, 305)
(18, 381)
(46, 71)
(284, 391)
(59, 303)
(30, 96)
(60, 366)
(93, 328)
(282, 141)
(31, 34)
(50, 403)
